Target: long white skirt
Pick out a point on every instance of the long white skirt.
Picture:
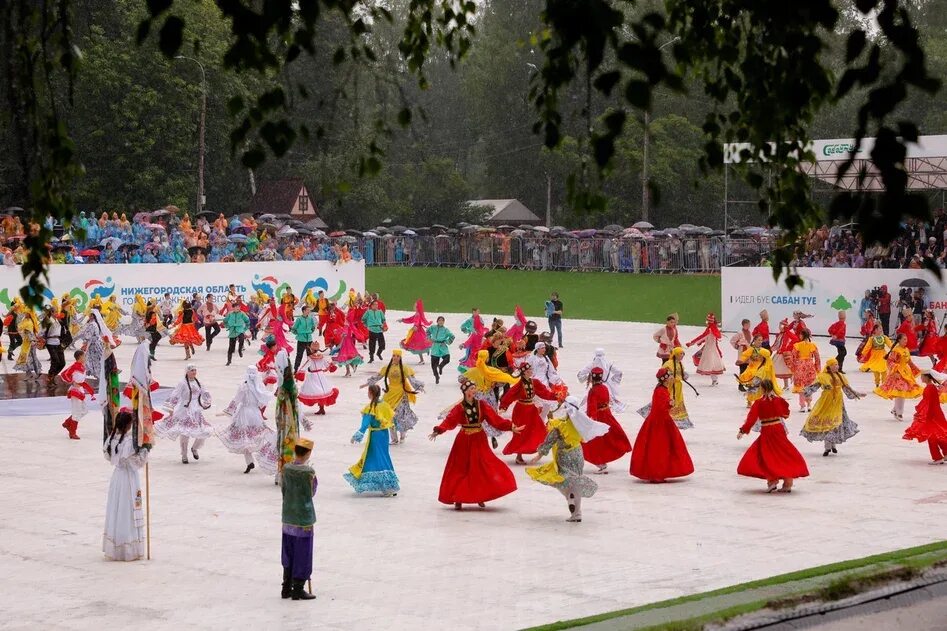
(711, 361)
(124, 536)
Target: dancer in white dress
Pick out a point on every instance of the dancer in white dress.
(124, 536)
(249, 434)
(709, 359)
(611, 378)
(544, 370)
(315, 389)
(186, 421)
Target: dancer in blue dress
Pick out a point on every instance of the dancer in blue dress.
(374, 472)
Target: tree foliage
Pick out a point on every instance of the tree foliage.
(445, 100)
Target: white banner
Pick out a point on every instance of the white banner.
(84, 282)
(745, 291)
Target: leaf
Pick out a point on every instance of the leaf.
(908, 131)
(638, 94)
(157, 7)
(404, 117)
(855, 45)
(253, 158)
(172, 33)
(235, 105)
(607, 81)
(143, 29)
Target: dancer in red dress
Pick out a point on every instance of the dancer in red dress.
(335, 322)
(929, 423)
(473, 475)
(762, 329)
(613, 445)
(906, 328)
(771, 457)
(186, 333)
(529, 395)
(660, 452)
(79, 390)
(928, 341)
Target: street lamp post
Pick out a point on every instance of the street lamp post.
(645, 193)
(200, 141)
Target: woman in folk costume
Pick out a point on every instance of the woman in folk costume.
(667, 338)
(906, 328)
(401, 390)
(874, 352)
(315, 390)
(528, 396)
(186, 420)
(929, 424)
(806, 365)
(782, 352)
(613, 445)
(374, 472)
(95, 336)
(829, 422)
(709, 359)
(266, 366)
(472, 474)
(27, 360)
(675, 366)
(136, 328)
(611, 377)
(900, 383)
(249, 434)
(764, 372)
(347, 352)
(335, 322)
(475, 330)
(927, 333)
(186, 332)
(771, 457)
(566, 431)
(124, 536)
(272, 321)
(79, 391)
(287, 307)
(113, 312)
(286, 412)
(545, 372)
(518, 329)
(659, 452)
(416, 341)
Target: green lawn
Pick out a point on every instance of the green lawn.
(586, 295)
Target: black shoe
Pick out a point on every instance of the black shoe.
(826, 452)
(287, 583)
(228, 362)
(194, 453)
(437, 378)
(494, 442)
(834, 450)
(240, 353)
(299, 593)
(250, 467)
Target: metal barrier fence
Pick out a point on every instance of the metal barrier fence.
(659, 256)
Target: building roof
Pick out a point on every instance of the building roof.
(278, 197)
(506, 211)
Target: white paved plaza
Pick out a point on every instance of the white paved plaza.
(412, 563)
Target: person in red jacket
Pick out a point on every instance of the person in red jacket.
(771, 457)
(78, 392)
(523, 395)
(335, 322)
(660, 452)
(473, 474)
(613, 445)
(762, 329)
(929, 424)
(837, 339)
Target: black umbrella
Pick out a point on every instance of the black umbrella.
(915, 282)
(353, 232)
(194, 249)
(398, 228)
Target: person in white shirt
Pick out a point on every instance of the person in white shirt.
(167, 310)
(208, 314)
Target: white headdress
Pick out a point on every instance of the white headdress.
(586, 427)
(255, 386)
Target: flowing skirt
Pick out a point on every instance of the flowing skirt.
(773, 457)
(124, 536)
(185, 421)
(533, 433)
(187, 334)
(660, 452)
(609, 447)
(473, 473)
(316, 391)
(378, 473)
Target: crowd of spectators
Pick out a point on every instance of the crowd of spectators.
(839, 246)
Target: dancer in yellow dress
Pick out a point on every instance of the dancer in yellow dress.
(901, 380)
(873, 354)
(829, 421)
(401, 389)
(675, 367)
(751, 357)
(28, 361)
(765, 372)
(806, 364)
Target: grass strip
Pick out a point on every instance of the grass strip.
(585, 295)
(934, 553)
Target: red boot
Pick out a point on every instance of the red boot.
(67, 425)
(72, 427)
